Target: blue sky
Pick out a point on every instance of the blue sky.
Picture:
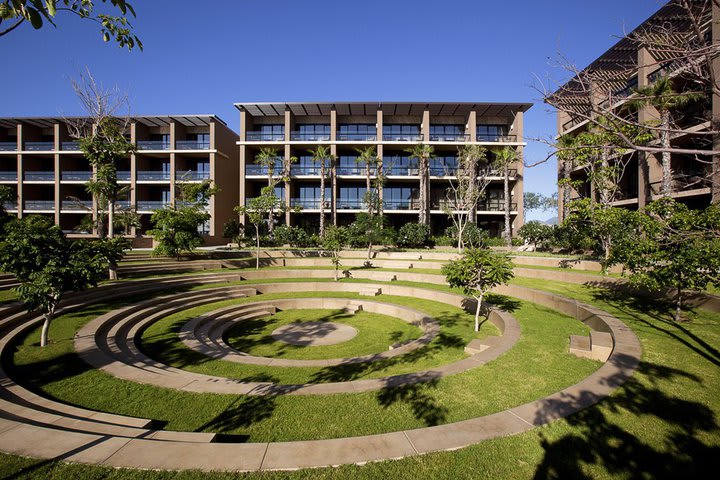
(200, 57)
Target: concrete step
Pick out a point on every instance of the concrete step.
(370, 291)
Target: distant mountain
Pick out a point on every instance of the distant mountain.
(551, 221)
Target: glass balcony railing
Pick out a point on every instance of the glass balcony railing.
(79, 176)
(402, 171)
(153, 176)
(359, 137)
(153, 145)
(151, 205)
(356, 170)
(10, 206)
(192, 144)
(309, 203)
(122, 204)
(8, 146)
(191, 175)
(307, 170)
(495, 206)
(264, 137)
(35, 205)
(76, 205)
(39, 176)
(401, 204)
(39, 146)
(449, 137)
(494, 137)
(123, 176)
(8, 176)
(350, 204)
(310, 136)
(71, 146)
(260, 170)
(403, 137)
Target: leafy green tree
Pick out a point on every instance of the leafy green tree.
(7, 195)
(368, 157)
(505, 158)
(476, 272)
(334, 241)
(370, 230)
(536, 233)
(671, 247)
(538, 201)
(423, 153)
(48, 265)
(322, 156)
(177, 227)
(233, 229)
(36, 12)
(414, 235)
(268, 158)
(257, 210)
(662, 96)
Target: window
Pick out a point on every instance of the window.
(312, 132)
(399, 198)
(491, 133)
(447, 132)
(351, 197)
(441, 165)
(272, 129)
(359, 131)
(400, 165)
(347, 165)
(162, 138)
(401, 132)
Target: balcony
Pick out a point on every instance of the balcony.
(191, 176)
(357, 137)
(39, 176)
(356, 170)
(151, 205)
(495, 206)
(401, 204)
(264, 137)
(402, 171)
(79, 176)
(403, 137)
(8, 176)
(153, 145)
(350, 204)
(122, 204)
(70, 146)
(450, 137)
(153, 176)
(192, 145)
(8, 146)
(8, 206)
(684, 182)
(306, 170)
(496, 138)
(38, 205)
(77, 205)
(310, 137)
(260, 170)
(309, 203)
(123, 176)
(39, 146)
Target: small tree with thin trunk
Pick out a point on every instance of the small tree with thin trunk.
(321, 155)
(257, 211)
(476, 273)
(368, 157)
(504, 159)
(334, 240)
(267, 158)
(423, 153)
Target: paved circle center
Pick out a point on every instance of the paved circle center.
(312, 334)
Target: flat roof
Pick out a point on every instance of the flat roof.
(148, 120)
(273, 109)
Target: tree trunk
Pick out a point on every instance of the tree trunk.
(45, 329)
(506, 188)
(257, 248)
(478, 307)
(369, 252)
(271, 212)
(333, 182)
(367, 188)
(678, 304)
(112, 267)
(322, 199)
(336, 262)
(566, 189)
(423, 172)
(666, 188)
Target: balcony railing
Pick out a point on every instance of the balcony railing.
(309, 203)
(76, 205)
(683, 182)
(8, 176)
(449, 137)
(402, 171)
(314, 137)
(401, 204)
(496, 138)
(572, 122)
(8, 146)
(495, 206)
(124, 204)
(264, 137)
(443, 171)
(151, 205)
(192, 144)
(358, 170)
(191, 175)
(350, 204)
(10, 206)
(39, 146)
(153, 176)
(403, 137)
(306, 170)
(72, 146)
(261, 170)
(153, 145)
(35, 205)
(360, 137)
(124, 176)
(80, 176)
(39, 176)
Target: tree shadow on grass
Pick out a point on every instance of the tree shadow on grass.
(598, 440)
(416, 395)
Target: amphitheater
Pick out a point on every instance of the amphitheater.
(401, 287)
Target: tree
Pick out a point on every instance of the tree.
(267, 158)
(287, 173)
(538, 201)
(334, 240)
(177, 227)
(321, 155)
(112, 27)
(476, 272)
(536, 233)
(368, 157)
(257, 210)
(370, 229)
(423, 153)
(7, 195)
(671, 247)
(662, 96)
(504, 159)
(48, 265)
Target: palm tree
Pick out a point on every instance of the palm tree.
(504, 159)
(665, 100)
(287, 167)
(267, 158)
(423, 154)
(470, 157)
(321, 155)
(368, 157)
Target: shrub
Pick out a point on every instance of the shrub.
(473, 236)
(444, 241)
(414, 235)
(536, 233)
(233, 229)
(295, 237)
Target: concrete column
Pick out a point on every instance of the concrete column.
(241, 174)
(649, 166)
(288, 186)
(133, 171)
(425, 128)
(471, 127)
(243, 124)
(379, 145)
(58, 199)
(333, 171)
(173, 138)
(518, 189)
(289, 124)
(20, 172)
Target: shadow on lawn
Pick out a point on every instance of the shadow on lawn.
(598, 441)
(416, 395)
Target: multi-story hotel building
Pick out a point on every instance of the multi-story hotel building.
(625, 67)
(45, 167)
(296, 128)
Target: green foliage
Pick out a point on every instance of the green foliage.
(7, 195)
(36, 12)
(444, 241)
(473, 236)
(414, 235)
(478, 270)
(233, 229)
(267, 158)
(293, 236)
(536, 233)
(538, 201)
(334, 241)
(368, 230)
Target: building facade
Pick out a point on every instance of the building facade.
(631, 64)
(293, 129)
(44, 166)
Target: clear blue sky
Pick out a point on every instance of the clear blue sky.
(200, 57)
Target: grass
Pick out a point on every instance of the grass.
(375, 333)
(7, 296)
(663, 423)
